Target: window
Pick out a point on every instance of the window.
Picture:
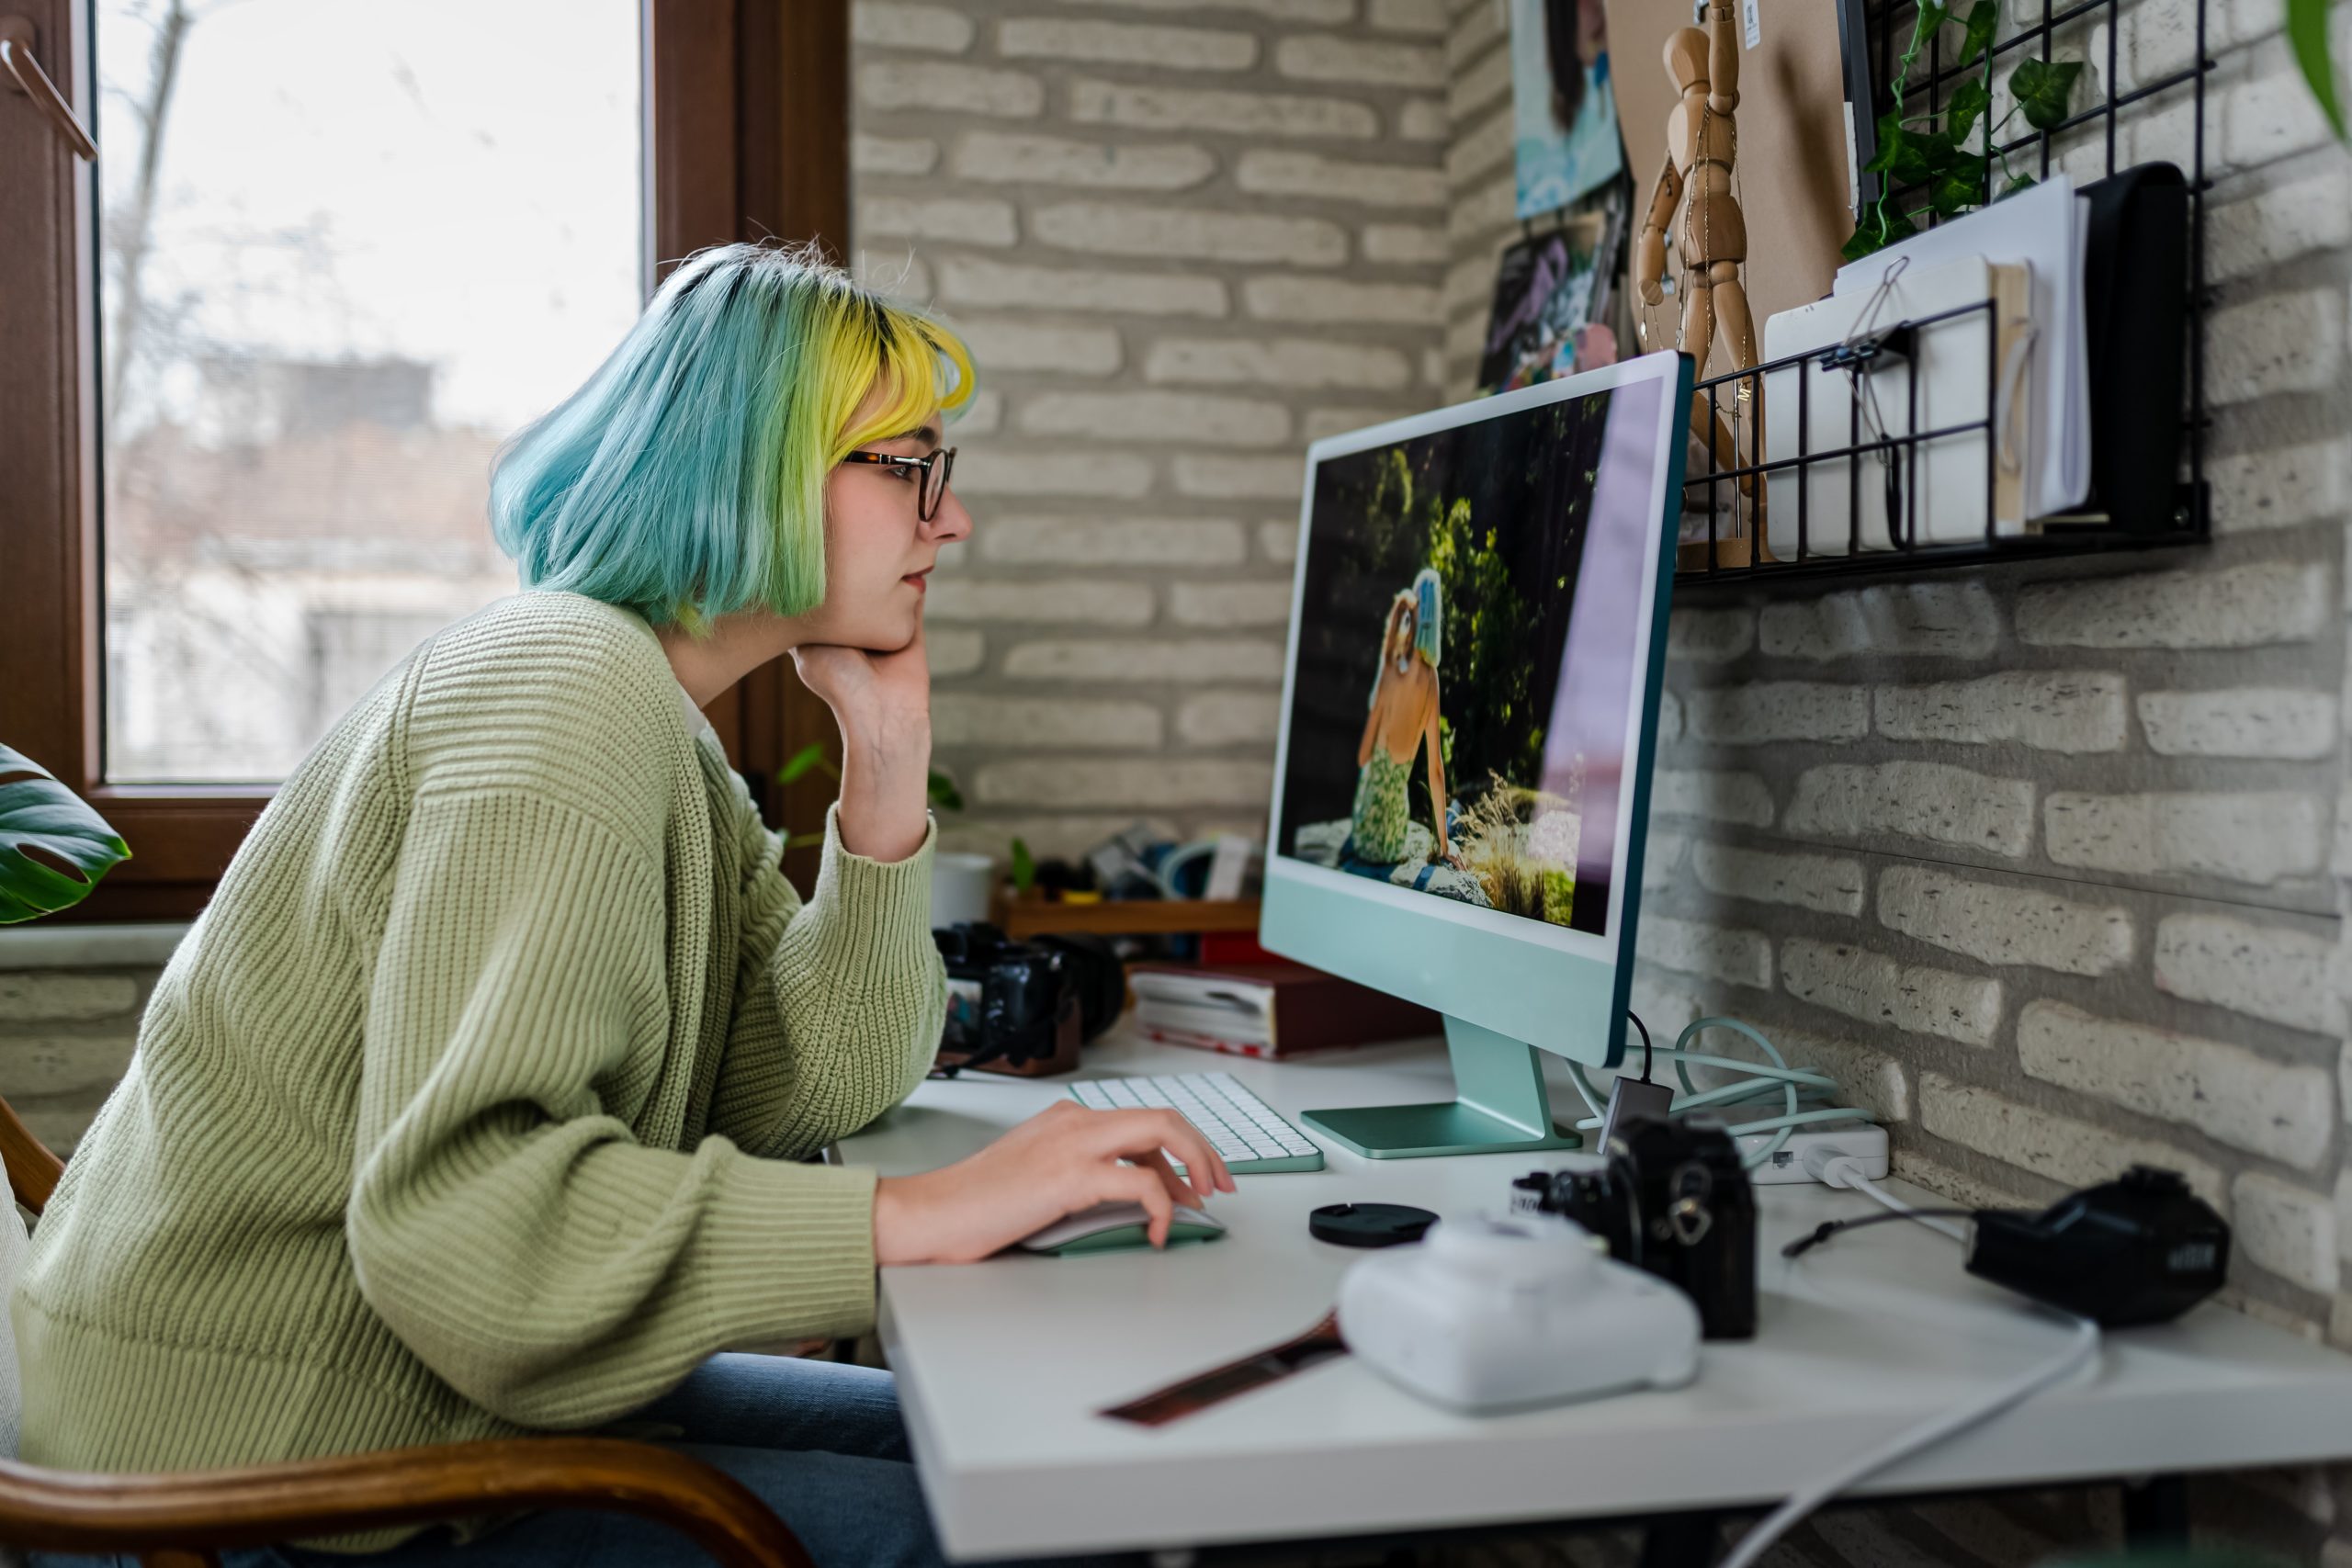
(332, 253)
(337, 263)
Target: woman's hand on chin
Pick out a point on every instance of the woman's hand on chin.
(882, 702)
(1063, 1159)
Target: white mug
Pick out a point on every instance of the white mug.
(960, 883)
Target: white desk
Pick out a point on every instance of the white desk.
(1001, 1364)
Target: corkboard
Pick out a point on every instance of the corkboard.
(1792, 170)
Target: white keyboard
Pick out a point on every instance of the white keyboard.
(1244, 1130)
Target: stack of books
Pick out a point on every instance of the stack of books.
(1274, 1008)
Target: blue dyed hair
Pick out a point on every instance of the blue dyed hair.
(686, 479)
(1426, 616)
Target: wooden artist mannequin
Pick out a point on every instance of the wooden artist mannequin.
(1702, 144)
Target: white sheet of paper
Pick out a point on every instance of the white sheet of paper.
(2043, 228)
(1944, 479)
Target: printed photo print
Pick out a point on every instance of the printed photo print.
(1467, 658)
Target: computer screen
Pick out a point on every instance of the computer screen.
(1461, 776)
(1466, 653)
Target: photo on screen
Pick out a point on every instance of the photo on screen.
(1467, 659)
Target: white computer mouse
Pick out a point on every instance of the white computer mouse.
(1115, 1227)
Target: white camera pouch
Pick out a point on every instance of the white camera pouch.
(1488, 1314)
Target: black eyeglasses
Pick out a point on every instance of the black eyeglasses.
(934, 469)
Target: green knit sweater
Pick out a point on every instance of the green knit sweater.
(471, 1103)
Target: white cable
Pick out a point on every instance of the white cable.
(2080, 1346)
(1777, 1080)
(1835, 1167)
(1863, 1184)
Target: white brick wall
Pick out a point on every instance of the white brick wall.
(1805, 881)
(1778, 710)
(65, 998)
(2263, 970)
(2058, 711)
(66, 1039)
(2287, 1229)
(1741, 957)
(1126, 43)
(1877, 989)
(2064, 1149)
(2226, 1092)
(1953, 618)
(1182, 239)
(2002, 923)
(2064, 845)
(2240, 722)
(2251, 837)
(2044, 857)
(1931, 802)
(2243, 606)
(1716, 796)
(2040, 861)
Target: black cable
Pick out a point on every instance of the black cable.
(1823, 1231)
(1645, 1042)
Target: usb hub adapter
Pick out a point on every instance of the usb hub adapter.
(1865, 1144)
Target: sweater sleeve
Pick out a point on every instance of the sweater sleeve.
(513, 1232)
(838, 1003)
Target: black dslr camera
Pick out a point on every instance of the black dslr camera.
(1023, 1008)
(1675, 1200)
(2143, 1248)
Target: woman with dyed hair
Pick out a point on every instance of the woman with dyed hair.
(476, 1101)
(1403, 720)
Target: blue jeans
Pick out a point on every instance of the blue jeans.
(819, 1443)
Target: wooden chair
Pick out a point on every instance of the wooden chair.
(181, 1520)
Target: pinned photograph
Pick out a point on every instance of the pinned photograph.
(1564, 112)
(1551, 292)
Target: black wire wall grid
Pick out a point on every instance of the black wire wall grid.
(1887, 459)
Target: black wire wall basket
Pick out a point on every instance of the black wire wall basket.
(1825, 462)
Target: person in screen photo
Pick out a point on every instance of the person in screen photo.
(1404, 718)
(1498, 657)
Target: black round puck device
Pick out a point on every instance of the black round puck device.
(1369, 1224)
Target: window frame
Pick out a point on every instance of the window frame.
(746, 135)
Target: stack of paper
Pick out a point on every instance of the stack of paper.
(1953, 367)
(2042, 229)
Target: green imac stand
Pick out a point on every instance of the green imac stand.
(1508, 985)
(1507, 995)
(1499, 1106)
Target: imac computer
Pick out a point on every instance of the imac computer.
(1476, 638)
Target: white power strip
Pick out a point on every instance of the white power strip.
(1866, 1143)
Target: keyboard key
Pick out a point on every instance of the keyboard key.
(1246, 1132)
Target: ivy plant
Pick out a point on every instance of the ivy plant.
(2307, 37)
(1914, 151)
(44, 827)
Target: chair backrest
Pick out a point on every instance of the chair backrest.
(32, 1169)
(32, 1173)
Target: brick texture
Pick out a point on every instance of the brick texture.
(1184, 240)
(2046, 862)
(2057, 850)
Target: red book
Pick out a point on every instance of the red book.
(1277, 1008)
(1220, 950)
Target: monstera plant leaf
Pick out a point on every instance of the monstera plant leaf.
(40, 816)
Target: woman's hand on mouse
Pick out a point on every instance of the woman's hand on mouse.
(1063, 1159)
(882, 702)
